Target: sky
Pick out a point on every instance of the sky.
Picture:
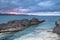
(30, 5)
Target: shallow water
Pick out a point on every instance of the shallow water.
(49, 24)
(39, 35)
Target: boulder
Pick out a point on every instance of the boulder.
(17, 25)
(57, 28)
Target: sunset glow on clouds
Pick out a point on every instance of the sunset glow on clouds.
(30, 6)
(12, 12)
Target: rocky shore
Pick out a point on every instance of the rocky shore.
(18, 25)
(57, 28)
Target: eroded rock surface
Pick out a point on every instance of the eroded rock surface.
(57, 28)
(17, 25)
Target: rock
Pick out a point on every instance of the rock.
(17, 25)
(35, 21)
(26, 22)
(57, 28)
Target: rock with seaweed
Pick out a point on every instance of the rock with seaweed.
(18, 25)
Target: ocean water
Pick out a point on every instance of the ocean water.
(38, 32)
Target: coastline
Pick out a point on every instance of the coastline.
(34, 35)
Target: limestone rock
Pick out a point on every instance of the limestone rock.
(17, 25)
(57, 28)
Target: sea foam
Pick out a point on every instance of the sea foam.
(40, 35)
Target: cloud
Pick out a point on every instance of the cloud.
(30, 5)
(46, 4)
(22, 9)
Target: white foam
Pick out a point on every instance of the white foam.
(39, 35)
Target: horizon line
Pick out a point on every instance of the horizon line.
(41, 13)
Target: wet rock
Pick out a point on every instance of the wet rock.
(35, 21)
(17, 25)
(57, 28)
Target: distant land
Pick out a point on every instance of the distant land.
(14, 14)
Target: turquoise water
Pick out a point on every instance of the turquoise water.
(49, 20)
(48, 24)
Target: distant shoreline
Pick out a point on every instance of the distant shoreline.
(36, 14)
(31, 15)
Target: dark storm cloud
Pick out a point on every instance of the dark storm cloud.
(30, 5)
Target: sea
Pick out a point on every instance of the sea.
(42, 31)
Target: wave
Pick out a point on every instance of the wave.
(40, 35)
